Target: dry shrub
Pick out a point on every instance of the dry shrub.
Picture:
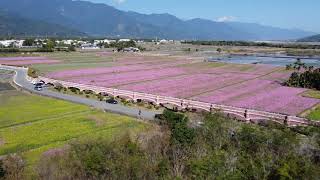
(99, 121)
(13, 166)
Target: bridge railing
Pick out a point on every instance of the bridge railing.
(243, 112)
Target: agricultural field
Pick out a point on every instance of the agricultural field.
(31, 125)
(315, 114)
(242, 85)
(20, 61)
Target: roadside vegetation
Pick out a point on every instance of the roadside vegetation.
(315, 114)
(103, 97)
(312, 94)
(220, 148)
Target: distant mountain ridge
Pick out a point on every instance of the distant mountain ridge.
(14, 25)
(96, 19)
(315, 38)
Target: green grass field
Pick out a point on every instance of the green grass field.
(73, 60)
(312, 94)
(31, 125)
(315, 114)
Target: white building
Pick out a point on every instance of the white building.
(68, 42)
(131, 49)
(109, 41)
(14, 43)
(124, 40)
(89, 47)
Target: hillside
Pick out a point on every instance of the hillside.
(315, 38)
(98, 19)
(14, 25)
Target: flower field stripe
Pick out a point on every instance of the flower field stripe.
(93, 71)
(225, 94)
(22, 58)
(66, 74)
(29, 62)
(185, 86)
(281, 99)
(116, 79)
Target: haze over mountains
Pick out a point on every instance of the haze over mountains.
(315, 38)
(81, 18)
(12, 24)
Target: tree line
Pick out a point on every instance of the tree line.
(303, 76)
(248, 43)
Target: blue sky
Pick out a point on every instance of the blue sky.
(302, 14)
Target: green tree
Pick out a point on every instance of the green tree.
(28, 42)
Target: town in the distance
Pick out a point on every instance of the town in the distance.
(106, 90)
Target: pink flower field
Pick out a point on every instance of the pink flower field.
(261, 95)
(21, 58)
(116, 79)
(18, 61)
(249, 86)
(188, 85)
(94, 71)
(67, 74)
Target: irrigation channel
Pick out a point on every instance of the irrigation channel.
(274, 60)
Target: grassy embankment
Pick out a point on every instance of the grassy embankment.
(313, 114)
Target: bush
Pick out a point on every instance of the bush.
(88, 91)
(219, 149)
(181, 133)
(44, 49)
(74, 89)
(100, 159)
(9, 50)
(13, 167)
(58, 87)
(32, 72)
(309, 78)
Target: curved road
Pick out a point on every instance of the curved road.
(20, 80)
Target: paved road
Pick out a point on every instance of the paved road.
(20, 80)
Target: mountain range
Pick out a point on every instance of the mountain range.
(81, 18)
(15, 25)
(315, 38)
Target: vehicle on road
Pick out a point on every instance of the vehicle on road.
(35, 82)
(111, 101)
(38, 87)
(39, 84)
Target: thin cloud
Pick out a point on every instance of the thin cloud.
(119, 1)
(226, 19)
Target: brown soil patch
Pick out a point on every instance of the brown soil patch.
(2, 142)
(99, 121)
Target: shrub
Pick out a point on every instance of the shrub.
(13, 166)
(32, 72)
(74, 89)
(100, 159)
(58, 87)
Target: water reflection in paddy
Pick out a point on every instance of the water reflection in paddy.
(276, 61)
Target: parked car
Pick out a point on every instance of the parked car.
(35, 82)
(111, 101)
(38, 87)
(39, 84)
